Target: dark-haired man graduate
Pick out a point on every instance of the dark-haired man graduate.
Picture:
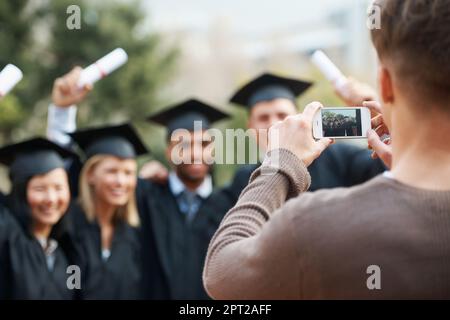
(182, 215)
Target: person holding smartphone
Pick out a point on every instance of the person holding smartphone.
(327, 244)
(271, 98)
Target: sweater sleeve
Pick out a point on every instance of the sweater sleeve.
(243, 260)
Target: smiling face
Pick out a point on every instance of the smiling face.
(113, 180)
(189, 153)
(48, 196)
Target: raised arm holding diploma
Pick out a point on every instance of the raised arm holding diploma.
(329, 69)
(72, 88)
(103, 67)
(353, 92)
(9, 77)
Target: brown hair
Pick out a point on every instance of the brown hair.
(414, 36)
(128, 213)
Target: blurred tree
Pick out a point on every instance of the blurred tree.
(16, 40)
(12, 113)
(34, 35)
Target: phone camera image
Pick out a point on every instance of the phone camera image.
(341, 123)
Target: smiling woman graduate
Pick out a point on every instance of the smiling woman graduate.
(35, 249)
(106, 221)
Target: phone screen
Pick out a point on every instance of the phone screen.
(341, 122)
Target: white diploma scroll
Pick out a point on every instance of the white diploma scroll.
(103, 67)
(9, 77)
(329, 69)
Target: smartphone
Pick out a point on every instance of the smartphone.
(342, 123)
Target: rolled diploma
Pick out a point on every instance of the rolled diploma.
(103, 67)
(9, 77)
(329, 69)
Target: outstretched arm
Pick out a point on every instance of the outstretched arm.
(62, 111)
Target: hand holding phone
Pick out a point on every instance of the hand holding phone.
(304, 146)
(342, 123)
(379, 138)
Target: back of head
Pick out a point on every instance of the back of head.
(414, 40)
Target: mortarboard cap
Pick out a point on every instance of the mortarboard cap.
(183, 115)
(268, 87)
(33, 157)
(121, 141)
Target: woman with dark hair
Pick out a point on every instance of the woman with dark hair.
(35, 247)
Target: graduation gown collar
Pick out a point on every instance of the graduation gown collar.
(176, 186)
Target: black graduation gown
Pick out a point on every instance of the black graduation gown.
(340, 165)
(5, 218)
(7, 225)
(23, 272)
(158, 290)
(2, 199)
(155, 278)
(343, 165)
(181, 246)
(73, 168)
(117, 278)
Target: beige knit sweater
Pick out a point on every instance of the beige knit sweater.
(331, 244)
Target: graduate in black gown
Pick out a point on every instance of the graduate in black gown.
(5, 224)
(61, 122)
(270, 98)
(2, 199)
(106, 222)
(35, 247)
(182, 215)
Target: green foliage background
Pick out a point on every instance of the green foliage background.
(35, 37)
